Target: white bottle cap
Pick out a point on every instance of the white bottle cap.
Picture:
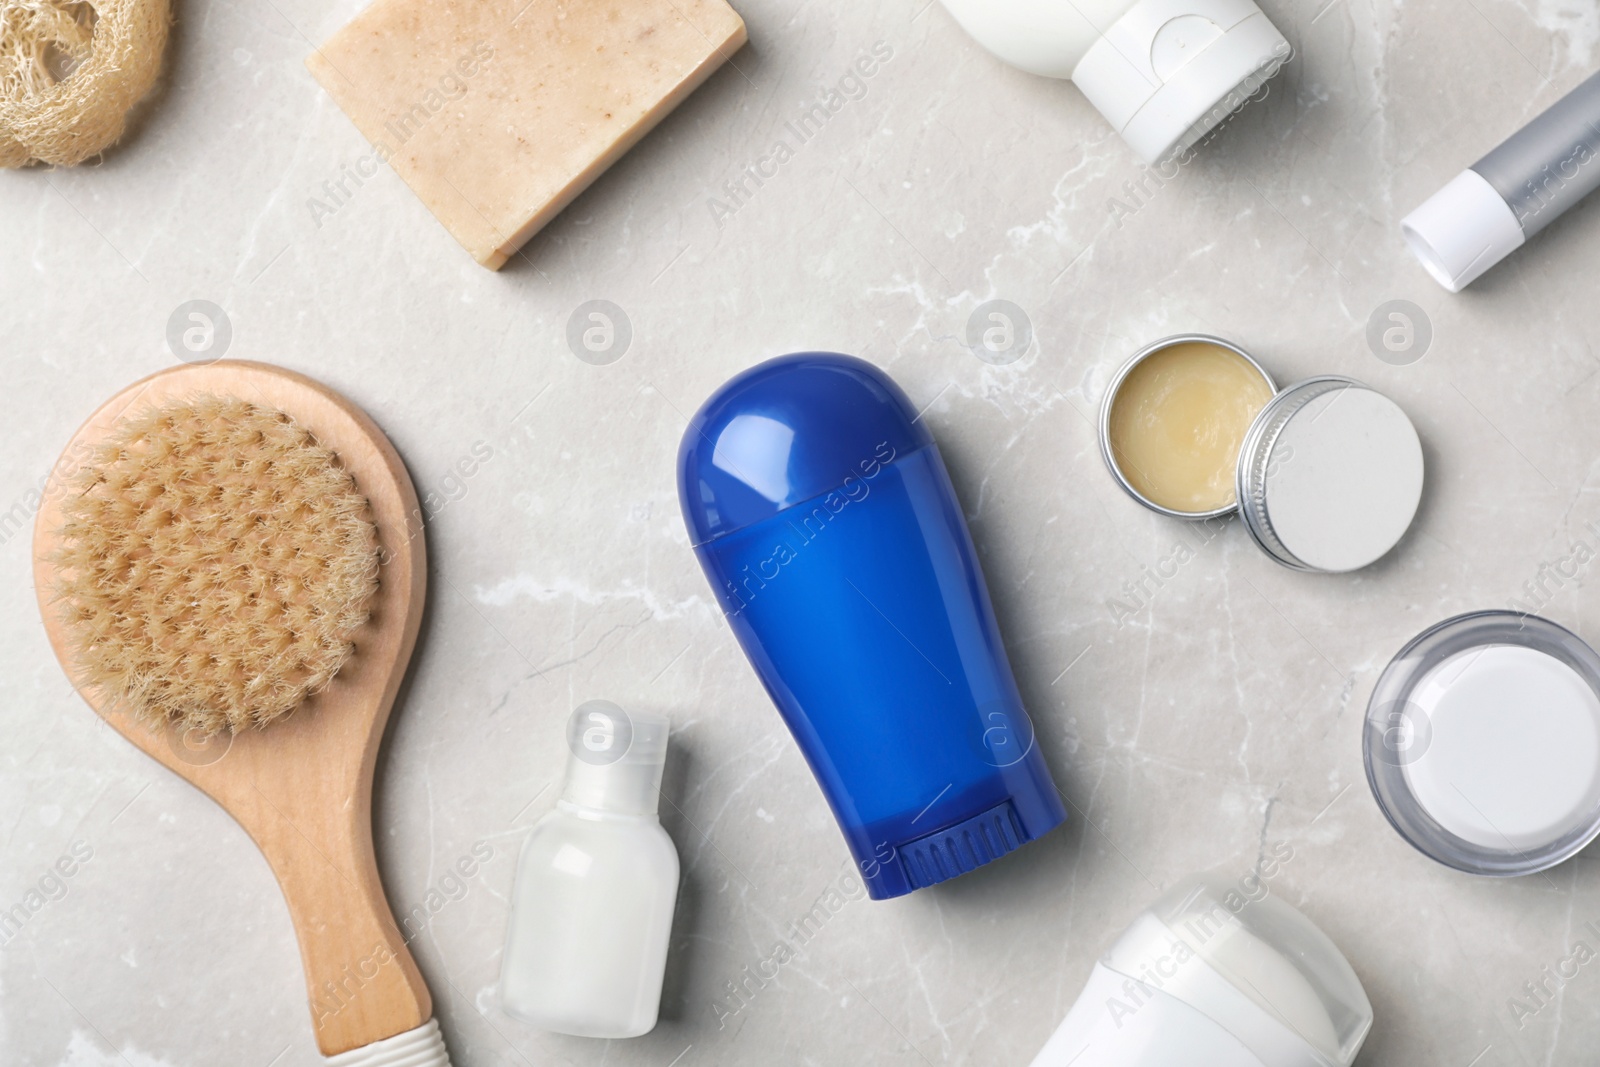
(1169, 71)
(1462, 230)
(616, 759)
(1118, 1021)
(1221, 973)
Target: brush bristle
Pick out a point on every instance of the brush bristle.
(215, 563)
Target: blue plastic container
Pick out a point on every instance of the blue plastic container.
(821, 512)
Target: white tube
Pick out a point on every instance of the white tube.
(1489, 210)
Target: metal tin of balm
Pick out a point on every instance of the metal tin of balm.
(1326, 473)
(1173, 419)
(1482, 743)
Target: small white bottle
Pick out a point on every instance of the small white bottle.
(591, 907)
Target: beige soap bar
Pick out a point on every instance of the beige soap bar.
(498, 113)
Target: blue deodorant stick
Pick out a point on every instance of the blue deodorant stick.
(820, 508)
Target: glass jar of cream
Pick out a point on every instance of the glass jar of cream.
(1482, 743)
(1326, 474)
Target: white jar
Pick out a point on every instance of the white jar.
(592, 904)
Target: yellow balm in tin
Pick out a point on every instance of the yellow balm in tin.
(1178, 419)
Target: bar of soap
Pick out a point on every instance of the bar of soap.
(498, 113)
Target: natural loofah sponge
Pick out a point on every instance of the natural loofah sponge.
(69, 72)
(215, 563)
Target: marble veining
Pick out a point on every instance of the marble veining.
(1200, 706)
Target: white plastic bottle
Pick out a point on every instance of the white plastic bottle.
(1216, 974)
(591, 907)
(1164, 72)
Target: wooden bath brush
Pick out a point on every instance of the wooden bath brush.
(227, 571)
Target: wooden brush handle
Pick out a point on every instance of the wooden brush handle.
(361, 982)
(360, 979)
(302, 787)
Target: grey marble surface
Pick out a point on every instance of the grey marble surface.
(1216, 718)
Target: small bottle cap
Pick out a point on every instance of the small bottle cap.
(1462, 230)
(1167, 72)
(616, 759)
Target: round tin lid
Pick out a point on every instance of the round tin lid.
(1330, 475)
